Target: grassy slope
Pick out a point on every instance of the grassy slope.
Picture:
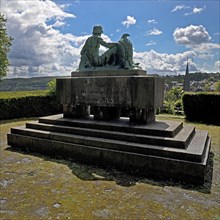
(39, 187)
(18, 94)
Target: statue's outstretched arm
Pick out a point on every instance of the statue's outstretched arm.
(105, 44)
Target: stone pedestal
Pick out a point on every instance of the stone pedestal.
(76, 111)
(109, 91)
(137, 144)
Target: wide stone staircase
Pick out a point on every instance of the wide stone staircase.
(163, 149)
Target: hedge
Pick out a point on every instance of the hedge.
(202, 107)
(31, 106)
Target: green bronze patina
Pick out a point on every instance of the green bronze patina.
(118, 56)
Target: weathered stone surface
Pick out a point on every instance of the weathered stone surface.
(183, 156)
(131, 72)
(109, 91)
(158, 128)
(119, 91)
(181, 140)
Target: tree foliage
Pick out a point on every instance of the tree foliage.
(51, 86)
(217, 86)
(5, 43)
(173, 100)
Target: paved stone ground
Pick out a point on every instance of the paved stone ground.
(37, 187)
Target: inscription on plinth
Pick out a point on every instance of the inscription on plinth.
(141, 94)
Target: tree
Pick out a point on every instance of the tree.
(52, 87)
(5, 43)
(217, 86)
(173, 100)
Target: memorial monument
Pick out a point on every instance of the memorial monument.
(104, 85)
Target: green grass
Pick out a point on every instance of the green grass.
(33, 185)
(203, 93)
(19, 94)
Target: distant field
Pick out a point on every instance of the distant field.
(25, 84)
(18, 94)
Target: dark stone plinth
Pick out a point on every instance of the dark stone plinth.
(109, 91)
(131, 72)
(162, 149)
(106, 113)
(142, 116)
(76, 111)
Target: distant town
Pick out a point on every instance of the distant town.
(197, 81)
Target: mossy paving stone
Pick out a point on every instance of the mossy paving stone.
(39, 187)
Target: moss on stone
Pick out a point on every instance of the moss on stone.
(39, 187)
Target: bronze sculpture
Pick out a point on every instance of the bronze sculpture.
(118, 56)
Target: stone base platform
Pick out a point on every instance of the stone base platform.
(163, 149)
(107, 92)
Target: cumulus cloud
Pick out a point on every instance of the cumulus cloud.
(191, 35)
(196, 10)
(197, 39)
(217, 65)
(163, 63)
(58, 24)
(38, 47)
(152, 21)
(129, 21)
(154, 31)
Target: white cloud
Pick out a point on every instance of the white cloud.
(163, 63)
(217, 65)
(129, 21)
(206, 47)
(205, 50)
(152, 21)
(150, 43)
(191, 35)
(38, 47)
(179, 7)
(154, 31)
(197, 39)
(196, 11)
(58, 24)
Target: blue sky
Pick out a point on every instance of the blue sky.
(49, 34)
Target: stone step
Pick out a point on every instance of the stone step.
(149, 165)
(190, 154)
(158, 128)
(181, 140)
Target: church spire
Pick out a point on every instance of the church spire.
(186, 84)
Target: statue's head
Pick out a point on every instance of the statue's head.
(97, 29)
(125, 35)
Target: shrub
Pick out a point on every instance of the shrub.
(217, 86)
(51, 86)
(31, 106)
(169, 107)
(172, 101)
(202, 107)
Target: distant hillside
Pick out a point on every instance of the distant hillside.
(25, 84)
(40, 83)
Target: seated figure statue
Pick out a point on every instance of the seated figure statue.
(118, 56)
